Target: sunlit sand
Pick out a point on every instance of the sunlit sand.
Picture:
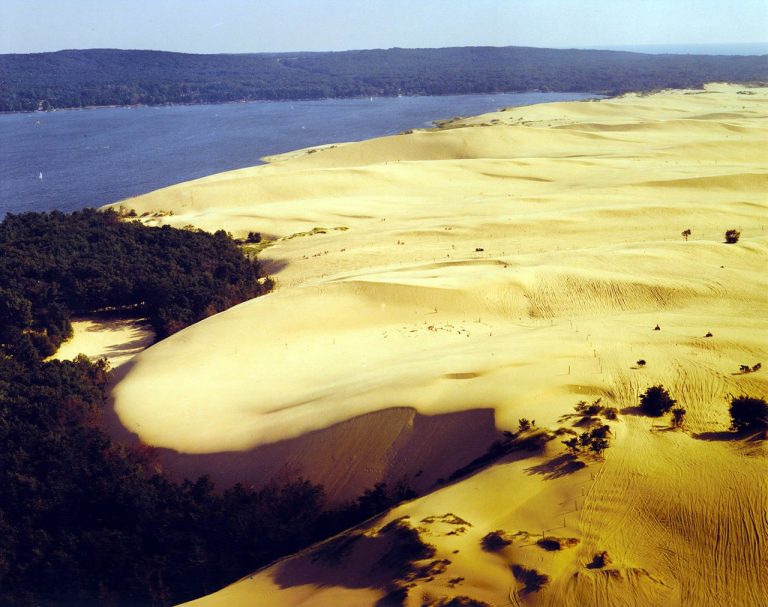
(502, 267)
(117, 340)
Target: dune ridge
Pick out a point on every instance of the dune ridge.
(514, 263)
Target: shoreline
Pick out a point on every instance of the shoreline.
(603, 95)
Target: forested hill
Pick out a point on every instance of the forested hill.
(79, 78)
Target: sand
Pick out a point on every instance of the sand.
(503, 266)
(117, 340)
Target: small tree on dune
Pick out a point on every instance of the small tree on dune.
(598, 445)
(656, 401)
(732, 236)
(686, 233)
(748, 413)
(678, 417)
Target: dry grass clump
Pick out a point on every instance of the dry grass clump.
(496, 540)
(457, 601)
(557, 543)
(600, 560)
(532, 580)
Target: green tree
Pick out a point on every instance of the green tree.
(656, 401)
(748, 413)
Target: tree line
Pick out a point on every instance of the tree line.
(82, 78)
(54, 265)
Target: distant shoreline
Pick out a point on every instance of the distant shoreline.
(116, 77)
(602, 95)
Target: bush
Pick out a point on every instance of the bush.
(589, 409)
(572, 444)
(685, 234)
(600, 560)
(495, 541)
(678, 417)
(732, 236)
(656, 401)
(598, 445)
(748, 413)
(641, 363)
(596, 440)
(531, 579)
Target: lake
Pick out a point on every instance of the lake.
(71, 159)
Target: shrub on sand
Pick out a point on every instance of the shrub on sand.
(748, 413)
(656, 401)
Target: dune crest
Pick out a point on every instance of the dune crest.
(513, 263)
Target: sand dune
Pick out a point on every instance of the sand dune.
(503, 266)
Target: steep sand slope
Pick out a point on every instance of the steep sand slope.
(505, 266)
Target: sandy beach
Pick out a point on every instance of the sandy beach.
(435, 287)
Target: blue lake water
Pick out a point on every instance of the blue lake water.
(72, 159)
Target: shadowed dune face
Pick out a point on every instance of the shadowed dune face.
(479, 274)
(390, 445)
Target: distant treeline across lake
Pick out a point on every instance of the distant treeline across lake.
(72, 159)
(96, 77)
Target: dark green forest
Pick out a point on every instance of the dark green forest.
(81, 78)
(54, 265)
(86, 521)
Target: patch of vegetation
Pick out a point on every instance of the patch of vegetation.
(732, 236)
(314, 231)
(641, 363)
(753, 369)
(458, 601)
(448, 518)
(525, 424)
(678, 417)
(596, 441)
(496, 540)
(553, 544)
(748, 413)
(532, 580)
(594, 408)
(54, 265)
(656, 401)
(686, 233)
(532, 441)
(600, 560)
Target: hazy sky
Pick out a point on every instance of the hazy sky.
(237, 26)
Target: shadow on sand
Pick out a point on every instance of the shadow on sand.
(559, 466)
(399, 444)
(747, 436)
